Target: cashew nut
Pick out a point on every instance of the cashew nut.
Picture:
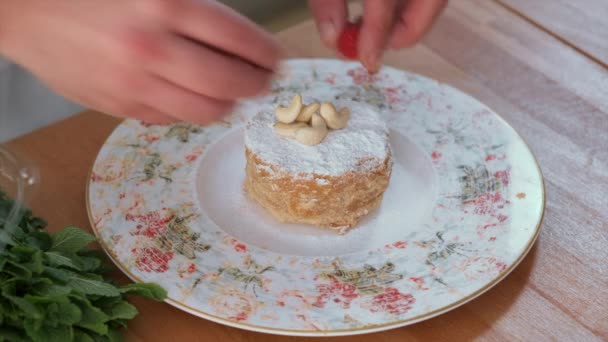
(312, 135)
(307, 112)
(333, 118)
(290, 113)
(288, 130)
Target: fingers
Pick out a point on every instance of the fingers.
(217, 25)
(206, 71)
(150, 115)
(330, 16)
(414, 21)
(378, 20)
(182, 104)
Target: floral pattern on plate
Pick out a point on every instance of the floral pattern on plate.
(146, 213)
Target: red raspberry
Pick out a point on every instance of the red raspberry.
(349, 39)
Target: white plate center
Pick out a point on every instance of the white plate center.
(407, 203)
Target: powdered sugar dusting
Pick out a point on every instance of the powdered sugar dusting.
(361, 145)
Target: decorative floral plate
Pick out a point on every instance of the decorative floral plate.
(463, 208)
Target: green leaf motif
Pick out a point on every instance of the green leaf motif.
(71, 240)
(148, 290)
(92, 286)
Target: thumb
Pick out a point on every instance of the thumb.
(330, 16)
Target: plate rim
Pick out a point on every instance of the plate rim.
(372, 328)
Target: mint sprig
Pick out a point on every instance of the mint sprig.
(53, 288)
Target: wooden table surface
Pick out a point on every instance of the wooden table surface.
(543, 65)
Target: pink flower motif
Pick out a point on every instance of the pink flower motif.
(487, 204)
(112, 169)
(503, 176)
(150, 224)
(436, 155)
(295, 300)
(480, 267)
(241, 248)
(400, 244)
(392, 95)
(331, 78)
(148, 137)
(237, 305)
(152, 259)
(340, 292)
(196, 152)
(360, 75)
(420, 283)
(392, 301)
(187, 270)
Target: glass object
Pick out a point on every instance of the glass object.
(17, 180)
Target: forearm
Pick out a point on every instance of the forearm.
(13, 15)
(9, 10)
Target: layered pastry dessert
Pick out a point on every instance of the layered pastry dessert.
(321, 163)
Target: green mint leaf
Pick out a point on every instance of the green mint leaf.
(93, 318)
(92, 286)
(46, 299)
(57, 259)
(61, 333)
(148, 290)
(12, 335)
(82, 336)
(35, 264)
(123, 310)
(106, 302)
(114, 335)
(46, 333)
(71, 240)
(69, 313)
(35, 223)
(17, 270)
(23, 252)
(29, 310)
(89, 264)
(39, 239)
(54, 291)
(59, 275)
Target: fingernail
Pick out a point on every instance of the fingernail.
(372, 62)
(328, 32)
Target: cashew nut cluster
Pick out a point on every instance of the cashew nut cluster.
(309, 124)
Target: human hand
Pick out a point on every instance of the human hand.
(155, 60)
(386, 24)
